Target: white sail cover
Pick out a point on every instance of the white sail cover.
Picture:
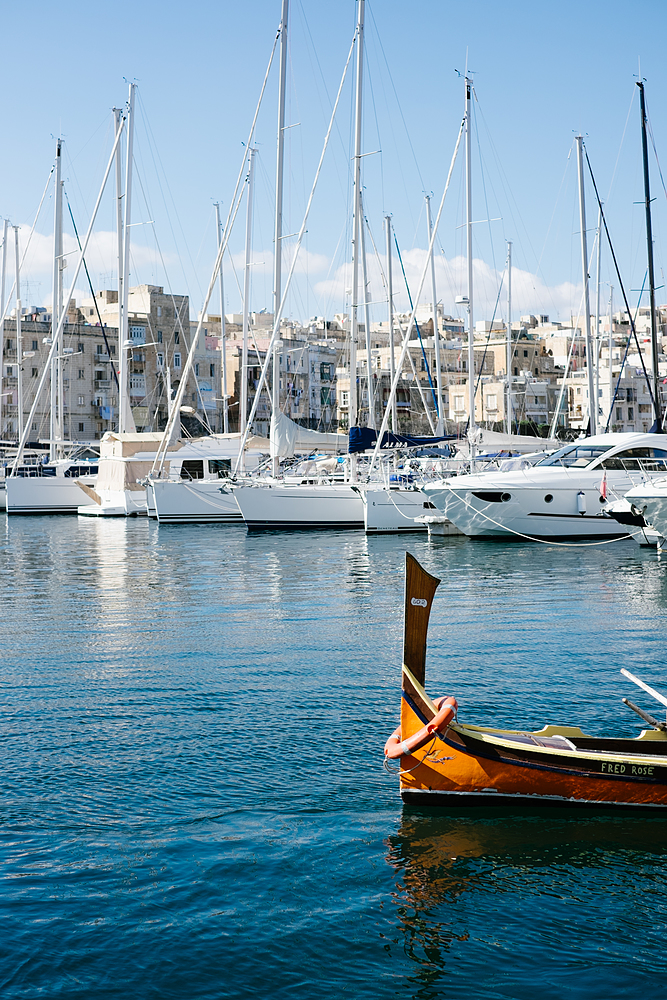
(493, 441)
(288, 438)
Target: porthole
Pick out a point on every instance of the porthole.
(548, 498)
(603, 499)
(505, 497)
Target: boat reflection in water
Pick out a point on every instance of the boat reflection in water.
(470, 887)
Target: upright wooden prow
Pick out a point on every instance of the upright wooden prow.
(420, 588)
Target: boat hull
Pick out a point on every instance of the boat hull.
(652, 498)
(479, 510)
(45, 495)
(115, 503)
(393, 511)
(558, 765)
(300, 508)
(196, 502)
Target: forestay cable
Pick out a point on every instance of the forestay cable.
(231, 217)
(278, 316)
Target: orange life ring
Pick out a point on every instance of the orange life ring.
(396, 747)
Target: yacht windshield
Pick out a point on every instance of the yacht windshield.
(576, 456)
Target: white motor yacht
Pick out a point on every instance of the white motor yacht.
(562, 497)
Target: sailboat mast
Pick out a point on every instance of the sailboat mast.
(367, 325)
(3, 275)
(278, 235)
(356, 222)
(19, 336)
(436, 334)
(471, 336)
(243, 400)
(56, 421)
(611, 350)
(119, 251)
(223, 331)
(390, 319)
(596, 337)
(590, 360)
(657, 408)
(508, 358)
(125, 419)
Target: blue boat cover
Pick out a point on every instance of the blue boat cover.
(364, 438)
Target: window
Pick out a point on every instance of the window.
(138, 334)
(10, 371)
(81, 400)
(91, 312)
(34, 427)
(516, 371)
(160, 360)
(197, 370)
(345, 398)
(525, 354)
(193, 396)
(34, 373)
(159, 336)
(536, 371)
(159, 312)
(638, 459)
(219, 467)
(631, 413)
(177, 337)
(177, 361)
(82, 373)
(211, 371)
(491, 403)
(459, 404)
(193, 469)
(82, 426)
(99, 348)
(79, 348)
(34, 345)
(576, 455)
(619, 412)
(10, 345)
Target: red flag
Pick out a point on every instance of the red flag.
(603, 486)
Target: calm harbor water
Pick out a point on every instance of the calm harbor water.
(192, 796)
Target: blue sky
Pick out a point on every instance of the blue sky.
(542, 72)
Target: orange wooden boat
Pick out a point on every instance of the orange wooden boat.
(444, 762)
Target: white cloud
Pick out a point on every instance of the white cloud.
(530, 294)
(307, 262)
(101, 258)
